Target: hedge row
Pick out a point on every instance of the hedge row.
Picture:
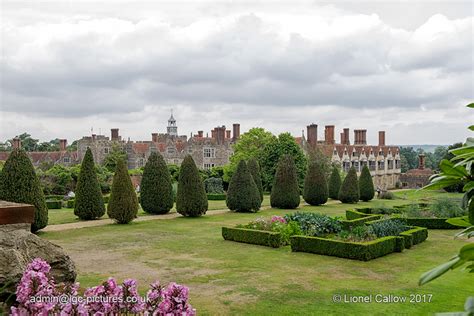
(53, 204)
(216, 196)
(54, 197)
(252, 236)
(356, 214)
(414, 236)
(364, 251)
(348, 223)
(70, 203)
(430, 223)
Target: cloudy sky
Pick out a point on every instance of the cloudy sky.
(401, 66)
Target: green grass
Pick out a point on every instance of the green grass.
(241, 279)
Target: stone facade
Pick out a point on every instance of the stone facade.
(417, 178)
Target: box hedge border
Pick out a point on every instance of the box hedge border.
(348, 223)
(54, 204)
(216, 196)
(252, 236)
(430, 223)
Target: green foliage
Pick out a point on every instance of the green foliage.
(243, 194)
(430, 223)
(334, 184)
(54, 204)
(156, 190)
(359, 233)
(447, 208)
(19, 183)
(409, 158)
(351, 250)
(252, 236)
(115, 154)
(123, 203)
(27, 142)
(70, 203)
(216, 196)
(214, 185)
(366, 185)
(254, 169)
(191, 198)
(285, 190)
(174, 172)
(414, 236)
(89, 203)
(349, 192)
(388, 228)
(315, 190)
(314, 224)
(387, 195)
(57, 180)
(349, 224)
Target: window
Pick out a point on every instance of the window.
(66, 159)
(346, 165)
(372, 165)
(106, 150)
(355, 164)
(209, 152)
(390, 164)
(363, 164)
(381, 165)
(141, 162)
(398, 164)
(354, 154)
(208, 166)
(171, 150)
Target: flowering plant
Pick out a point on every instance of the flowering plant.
(37, 294)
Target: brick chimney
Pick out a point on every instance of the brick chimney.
(227, 134)
(312, 133)
(62, 144)
(360, 137)
(114, 134)
(421, 161)
(346, 136)
(154, 137)
(16, 143)
(381, 138)
(236, 131)
(200, 133)
(213, 133)
(329, 134)
(220, 134)
(93, 137)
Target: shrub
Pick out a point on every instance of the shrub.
(430, 223)
(251, 236)
(388, 228)
(243, 194)
(123, 204)
(357, 234)
(191, 199)
(254, 169)
(70, 203)
(349, 224)
(19, 183)
(156, 190)
(387, 195)
(214, 185)
(285, 191)
(366, 185)
(414, 236)
(216, 197)
(349, 192)
(334, 184)
(89, 202)
(315, 190)
(54, 205)
(314, 224)
(447, 208)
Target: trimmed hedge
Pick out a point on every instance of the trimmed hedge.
(414, 236)
(364, 251)
(54, 205)
(348, 223)
(106, 198)
(252, 236)
(216, 197)
(430, 223)
(70, 203)
(53, 197)
(356, 214)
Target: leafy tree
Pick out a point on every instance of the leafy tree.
(72, 146)
(334, 183)
(52, 145)
(27, 142)
(6, 146)
(89, 202)
(366, 185)
(254, 169)
(115, 154)
(409, 158)
(349, 192)
(448, 156)
(57, 180)
(315, 185)
(174, 172)
(285, 144)
(214, 185)
(285, 190)
(123, 202)
(191, 199)
(243, 194)
(156, 191)
(18, 183)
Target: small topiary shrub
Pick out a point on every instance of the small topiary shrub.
(123, 203)
(315, 190)
(191, 199)
(243, 194)
(89, 202)
(366, 185)
(156, 190)
(334, 184)
(19, 183)
(216, 197)
(254, 169)
(349, 192)
(285, 191)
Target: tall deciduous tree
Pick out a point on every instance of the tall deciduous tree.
(285, 190)
(191, 198)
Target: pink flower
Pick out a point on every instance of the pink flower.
(276, 218)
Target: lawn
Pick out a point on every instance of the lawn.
(233, 278)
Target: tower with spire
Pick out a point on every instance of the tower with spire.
(172, 129)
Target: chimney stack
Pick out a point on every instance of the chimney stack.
(227, 134)
(381, 138)
(62, 144)
(154, 137)
(236, 131)
(213, 133)
(114, 134)
(200, 133)
(220, 134)
(312, 134)
(346, 140)
(93, 137)
(421, 161)
(329, 134)
(360, 136)
(16, 143)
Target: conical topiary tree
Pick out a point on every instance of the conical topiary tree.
(315, 190)
(285, 190)
(254, 169)
(123, 202)
(334, 184)
(156, 190)
(243, 194)
(366, 185)
(19, 183)
(191, 199)
(89, 203)
(349, 192)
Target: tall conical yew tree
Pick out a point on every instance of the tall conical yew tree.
(191, 199)
(123, 202)
(334, 184)
(349, 192)
(366, 185)
(285, 190)
(243, 194)
(89, 203)
(315, 190)
(156, 190)
(254, 169)
(19, 183)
